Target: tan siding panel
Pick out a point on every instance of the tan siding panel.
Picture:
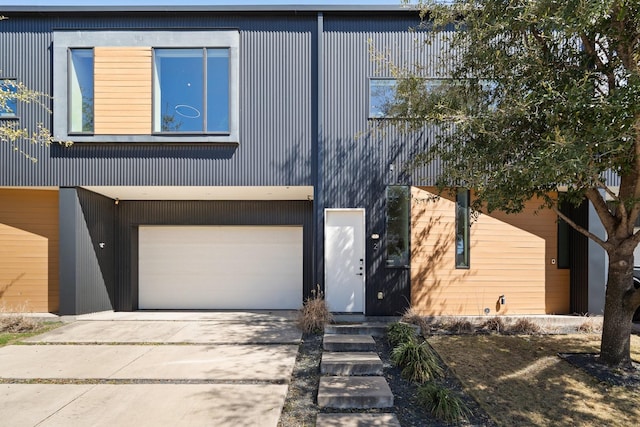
(510, 255)
(29, 250)
(122, 91)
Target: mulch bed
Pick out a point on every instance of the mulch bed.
(300, 406)
(590, 363)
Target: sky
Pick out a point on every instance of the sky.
(189, 2)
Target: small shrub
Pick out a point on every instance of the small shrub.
(443, 403)
(14, 322)
(589, 327)
(314, 314)
(495, 324)
(398, 333)
(412, 316)
(17, 323)
(418, 362)
(459, 326)
(525, 327)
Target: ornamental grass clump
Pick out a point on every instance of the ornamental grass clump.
(495, 324)
(443, 403)
(15, 322)
(398, 333)
(314, 314)
(416, 359)
(459, 326)
(525, 327)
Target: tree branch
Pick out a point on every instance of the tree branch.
(581, 229)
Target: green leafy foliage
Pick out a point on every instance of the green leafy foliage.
(539, 100)
(443, 403)
(399, 332)
(417, 360)
(22, 139)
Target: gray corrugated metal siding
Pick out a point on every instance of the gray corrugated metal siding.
(275, 80)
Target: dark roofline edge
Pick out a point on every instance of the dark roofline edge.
(212, 8)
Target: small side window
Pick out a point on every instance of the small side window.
(8, 100)
(381, 96)
(81, 91)
(462, 228)
(563, 244)
(397, 237)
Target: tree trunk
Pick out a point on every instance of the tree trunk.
(618, 312)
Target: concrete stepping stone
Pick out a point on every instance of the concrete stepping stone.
(354, 392)
(344, 342)
(357, 420)
(376, 329)
(350, 363)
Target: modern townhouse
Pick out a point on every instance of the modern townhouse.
(236, 157)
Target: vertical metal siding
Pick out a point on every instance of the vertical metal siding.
(131, 214)
(359, 154)
(275, 98)
(86, 269)
(578, 260)
(95, 264)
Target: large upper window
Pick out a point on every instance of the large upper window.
(191, 90)
(151, 86)
(8, 102)
(81, 90)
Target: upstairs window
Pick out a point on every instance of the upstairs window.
(191, 91)
(8, 101)
(151, 86)
(381, 96)
(81, 91)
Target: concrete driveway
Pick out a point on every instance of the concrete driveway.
(152, 368)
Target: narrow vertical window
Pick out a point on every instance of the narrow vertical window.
(397, 236)
(563, 244)
(218, 90)
(462, 228)
(81, 91)
(8, 101)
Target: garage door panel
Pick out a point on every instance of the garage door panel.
(220, 267)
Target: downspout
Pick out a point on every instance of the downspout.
(318, 153)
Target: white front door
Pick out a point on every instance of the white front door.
(344, 260)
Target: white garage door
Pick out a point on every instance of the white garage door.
(220, 267)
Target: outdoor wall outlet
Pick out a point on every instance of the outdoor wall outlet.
(380, 295)
(503, 300)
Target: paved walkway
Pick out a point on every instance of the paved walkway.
(146, 368)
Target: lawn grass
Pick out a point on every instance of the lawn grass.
(520, 380)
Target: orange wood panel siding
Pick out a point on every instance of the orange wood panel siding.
(29, 250)
(510, 255)
(122, 91)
